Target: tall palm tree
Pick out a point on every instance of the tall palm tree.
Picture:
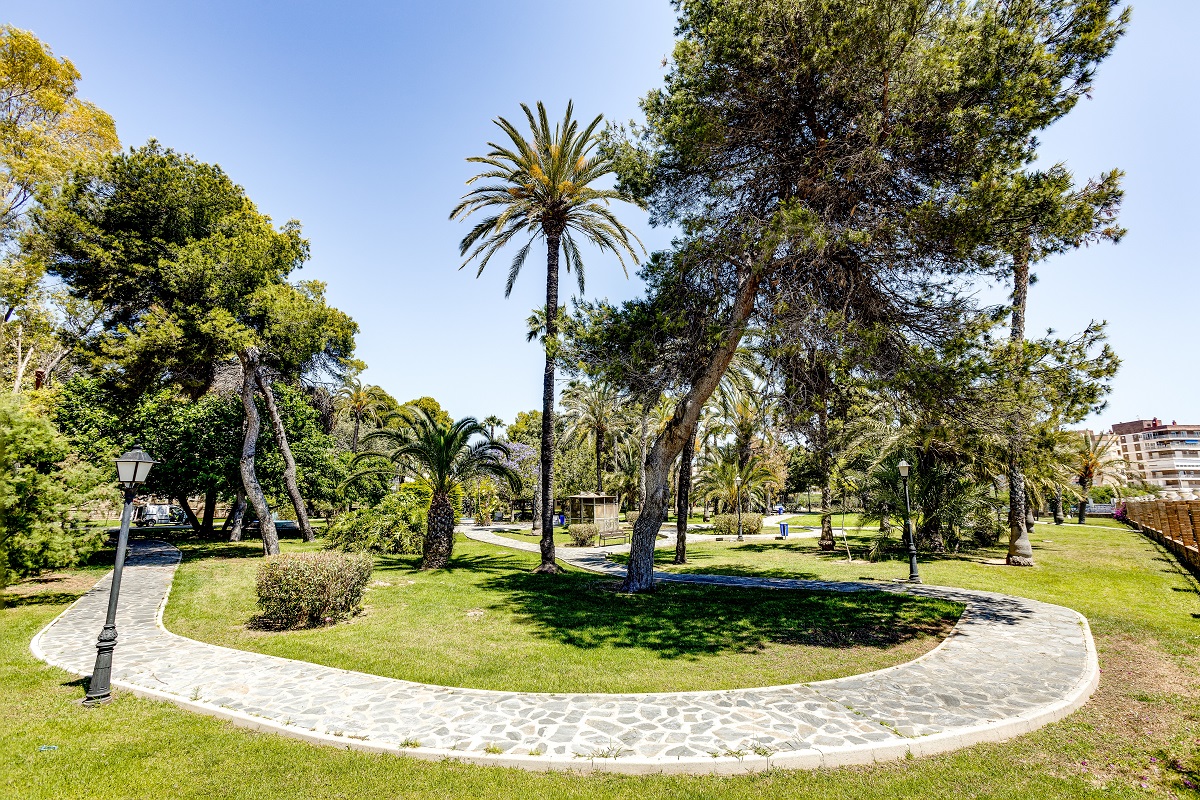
(591, 413)
(362, 403)
(719, 476)
(444, 458)
(540, 189)
(1096, 461)
(492, 422)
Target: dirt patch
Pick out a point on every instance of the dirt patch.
(54, 582)
(1142, 726)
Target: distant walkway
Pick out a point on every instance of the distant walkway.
(1009, 666)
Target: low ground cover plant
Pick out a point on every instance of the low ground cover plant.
(303, 590)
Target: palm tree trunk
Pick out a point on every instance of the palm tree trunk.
(354, 437)
(1059, 516)
(548, 564)
(439, 536)
(599, 466)
(289, 463)
(254, 492)
(683, 499)
(1020, 551)
(1083, 501)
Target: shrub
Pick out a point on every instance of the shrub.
(301, 590)
(583, 534)
(632, 516)
(395, 525)
(727, 524)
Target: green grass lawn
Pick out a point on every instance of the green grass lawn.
(490, 623)
(561, 538)
(1131, 740)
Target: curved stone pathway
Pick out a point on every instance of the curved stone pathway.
(1009, 666)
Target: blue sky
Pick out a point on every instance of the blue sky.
(356, 118)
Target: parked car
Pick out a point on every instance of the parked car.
(282, 526)
(153, 514)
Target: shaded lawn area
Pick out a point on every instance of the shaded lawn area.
(490, 623)
(1136, 734)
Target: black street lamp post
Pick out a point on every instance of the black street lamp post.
(738, 482)
(132, 469)
(913, 577)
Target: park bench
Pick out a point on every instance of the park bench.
(616, 535)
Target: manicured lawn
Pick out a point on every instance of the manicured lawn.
(561, 539)
(490, 623)
(1139, 730)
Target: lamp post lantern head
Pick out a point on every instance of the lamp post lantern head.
(738, 480)
(904, 467)
(134, 467)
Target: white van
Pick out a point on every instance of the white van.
(158, 514)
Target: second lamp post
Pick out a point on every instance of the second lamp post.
(913, 577)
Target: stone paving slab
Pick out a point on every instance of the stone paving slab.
(1009, 666)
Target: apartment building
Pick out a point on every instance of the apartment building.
(1160, 454)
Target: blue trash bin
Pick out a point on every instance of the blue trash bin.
(783, 529)
(562, 519)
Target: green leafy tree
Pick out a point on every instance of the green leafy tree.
(542, 189)
(190, 276)
(38, 486)
(45, 130)
(444, 459)
(865, 162)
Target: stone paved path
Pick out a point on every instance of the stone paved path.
(1010, 665)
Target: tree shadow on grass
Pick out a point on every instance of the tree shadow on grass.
(682, 621)
(39, 599)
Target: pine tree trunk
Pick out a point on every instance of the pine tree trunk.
(642, 440)
(289, 463)
(238, 514)
(254, 492)
(1020, 551)
(191, 515)
(439, 535)
(683, 498)
(210, 510)
(826, 542)
(639, 575)
(548, 564)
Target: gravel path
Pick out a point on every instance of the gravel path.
(1009, 666)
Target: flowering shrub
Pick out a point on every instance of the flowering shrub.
(727, 524)
(1119, 513)
(583, 534)
(301, 590)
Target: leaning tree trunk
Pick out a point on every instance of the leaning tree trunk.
(1020, 551)
(289, 463)
(254, 490)
(643, 439)
(548, 564)
(191, 515)
(439, 536)
(237, 514)
(639, 574)
(683, 498)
